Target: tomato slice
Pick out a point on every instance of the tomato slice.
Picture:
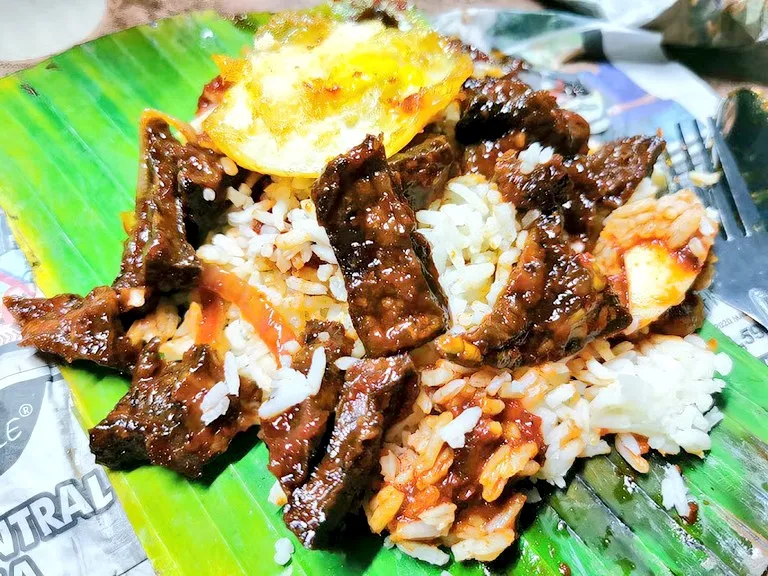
(268, 322)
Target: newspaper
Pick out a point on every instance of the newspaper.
(712, 23)
(58, 513)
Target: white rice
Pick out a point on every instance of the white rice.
(475, 243)
(290, 387)
(231, 377)
(533, 155)
(454, 432)
(425, 552)
(662, 389)
(674, 492)
(346, 362)
(533, 496)
(283, 551)
(277, 496)
(656, 394)
(269, 244)
(215, 403)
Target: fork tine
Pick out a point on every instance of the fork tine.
(673, 183)
(730, 227)
(745, 206)
(720, 198)
(704, 148)
(684, 148)
(704, 193)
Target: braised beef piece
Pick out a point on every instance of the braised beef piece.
(547, 187)
(75, 327)
(481, 158)
(159, 420)
(614, 171)
(369, 399)
(683, 319)
(586, 189)
(172, 217)
(394, 303)
(199, 169)
(555, 302)
(294, 436)
(157, 254)
(424, 167)
(493, 107)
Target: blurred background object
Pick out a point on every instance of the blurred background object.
(722, 38)
(743, 118)
(718, 23)
(33, 29)
(717, 38)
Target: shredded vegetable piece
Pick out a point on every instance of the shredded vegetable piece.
(213, 318)
(268, 323)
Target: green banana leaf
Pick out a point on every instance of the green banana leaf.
(68, 163)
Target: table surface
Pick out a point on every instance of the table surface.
(121, 14)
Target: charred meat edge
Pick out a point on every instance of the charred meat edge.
(294, 437)
(493, 107)
(370, 399)
(160, 421)
(555, 302)
(394, 302)
(74, 327)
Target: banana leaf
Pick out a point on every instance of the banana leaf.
(68, 162)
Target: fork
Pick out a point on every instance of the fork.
(741, 277)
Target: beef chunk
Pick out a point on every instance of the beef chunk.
(76, 327)
(547, 187)
(493, 107)
(294, 436)
(160, 421)
(424, 169)
(554, 303)
(683, 319)
(172, 216)
(157, 253)
(481, 158)
(614, 171)
(199, 169)
(586, 189)
(392, 299)
(369, 399)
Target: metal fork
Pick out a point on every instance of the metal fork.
(741, 277)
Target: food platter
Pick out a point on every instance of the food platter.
(67, 171)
